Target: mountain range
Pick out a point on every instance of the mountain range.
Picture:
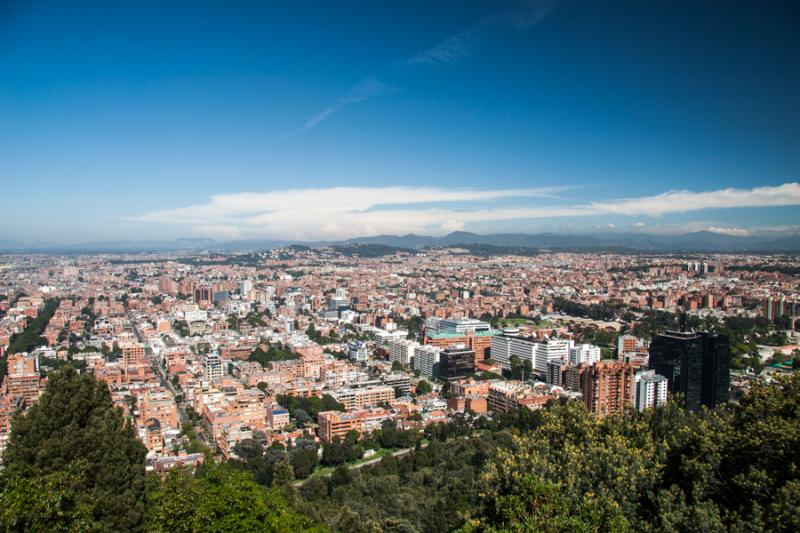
(702, 241)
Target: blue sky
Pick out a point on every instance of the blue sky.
(338, 119)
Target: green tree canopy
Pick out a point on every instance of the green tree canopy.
(222, 499)
(74, 437)
(423, 387)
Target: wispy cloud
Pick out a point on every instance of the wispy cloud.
(463, 44)
(450, 50)
(530, 13)
(363, 90)
(343, 212)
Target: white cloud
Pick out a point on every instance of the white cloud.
(326, 201)
(452, 225)
(680, 228)
(685, 201)
(341, 212)
(344, 212)
(733, 232)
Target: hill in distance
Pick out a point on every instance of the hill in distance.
(702, 241)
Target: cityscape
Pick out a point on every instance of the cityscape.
(463, 323)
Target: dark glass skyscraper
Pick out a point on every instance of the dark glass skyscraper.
(697, 365)
(716, 369)
(456, 362)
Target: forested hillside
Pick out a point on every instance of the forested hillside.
(74, 464)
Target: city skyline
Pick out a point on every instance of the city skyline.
(251, 121)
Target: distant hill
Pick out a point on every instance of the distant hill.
(703, 241)
(370, 250)
(491, 244)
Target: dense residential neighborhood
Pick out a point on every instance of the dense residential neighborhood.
(203, 353)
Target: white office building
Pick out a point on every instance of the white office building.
(650, 389)
(426, 360)
(587, 354)
(402, 351)
(504, 347)
(551, 350)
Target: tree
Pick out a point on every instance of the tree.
(352, 450)
(47, 503)
(540, 506)
(304, 459)
(520, 369)
(271, 354)
(314, 489)
(341, 476)
(283, 473)
(74, 429)
(30, 337)
(301, 417)
(223, 499)
(423, 387)
(333, 453)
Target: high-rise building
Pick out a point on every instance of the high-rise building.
(696, 365)
(339, 301)
(551, 350)
(607, 387)
(716, 386)
(402, 351)
(584, 353)
(245, 286)
(132, 353)
(775, 308)
(768, 309)
(426, 360)
(456, 362)
(651, 389)
(555, 373)
(212, 367)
